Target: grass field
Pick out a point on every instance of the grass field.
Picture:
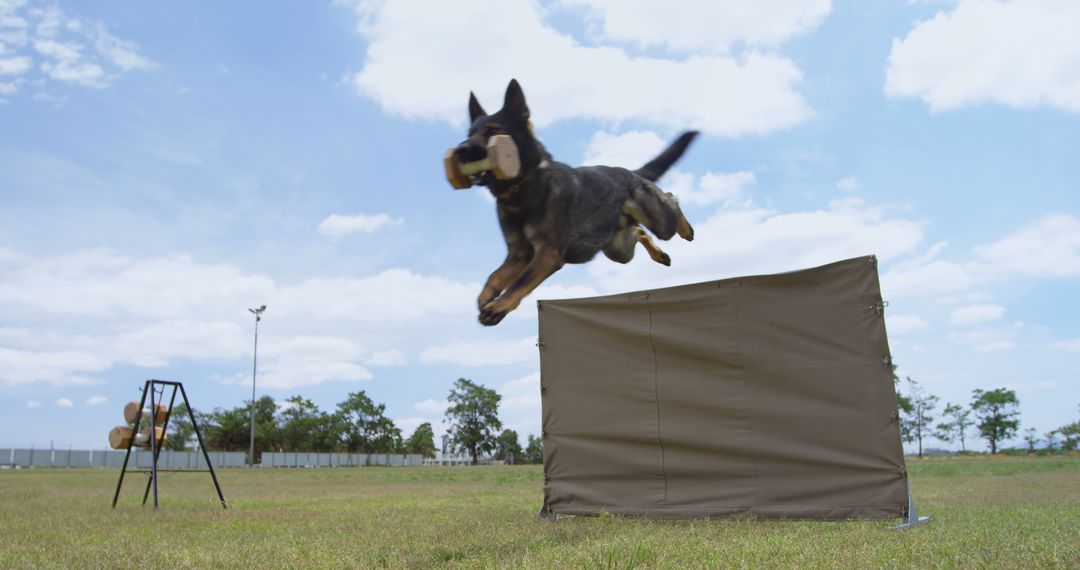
(1000, 512)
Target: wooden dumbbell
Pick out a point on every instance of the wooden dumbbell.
(122, 437)
(502, 160)
(131, 413)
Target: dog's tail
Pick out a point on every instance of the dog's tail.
(659, 165)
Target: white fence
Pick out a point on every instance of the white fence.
(194, 460)
(287, 459)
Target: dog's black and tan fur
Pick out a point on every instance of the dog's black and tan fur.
(552, 214)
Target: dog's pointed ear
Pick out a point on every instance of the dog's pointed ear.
(514, 102)
(475, 110)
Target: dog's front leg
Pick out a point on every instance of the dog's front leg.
(545, 262)
(501, 278)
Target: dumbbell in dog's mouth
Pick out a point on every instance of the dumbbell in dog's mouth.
(473, 162)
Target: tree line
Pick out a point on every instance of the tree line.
(360, 425)
(356, 425)
(993, 415)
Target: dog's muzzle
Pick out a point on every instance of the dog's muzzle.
(469, 164)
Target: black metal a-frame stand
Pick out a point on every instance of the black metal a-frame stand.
(155, 390)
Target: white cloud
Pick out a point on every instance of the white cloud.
(1049, 246)
(629, 150)
(1069, 345)
(928, 278)
(42, 38)
(522, 394)
(96, 400)
(696, 26)
(386, 358)
(1021, 53)
(974, 314)
(849, 184)
(995, 346)
(33, 404)
(432, 406)
(102, 284)
(14, 65)
(409, 425)
(178, 308)
(121, 53)
(985, 340)
(562, 78)
(309, 361)
(59, 368)
(65, 403)
(483, 353)
(725, 188)
(336, 225)
(904, 324)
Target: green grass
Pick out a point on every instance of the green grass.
(1000, 512)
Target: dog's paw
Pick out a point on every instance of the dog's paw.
(490, 317)
(665, 259)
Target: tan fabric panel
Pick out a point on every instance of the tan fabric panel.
(771, 395)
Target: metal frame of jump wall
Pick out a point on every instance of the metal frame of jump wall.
(151, 389)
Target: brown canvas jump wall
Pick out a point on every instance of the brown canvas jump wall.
(771, 395)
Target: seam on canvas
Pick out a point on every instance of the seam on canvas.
(656, 396)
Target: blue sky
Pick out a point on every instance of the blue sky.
(165, 167)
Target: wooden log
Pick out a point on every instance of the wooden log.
(504, 157)
(454, 174)
(131, 413)
(120, 436)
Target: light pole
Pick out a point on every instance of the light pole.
(258, 317)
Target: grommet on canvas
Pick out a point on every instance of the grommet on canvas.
(539, 343)
(886, 360)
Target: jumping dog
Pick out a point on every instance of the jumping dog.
(552, 214)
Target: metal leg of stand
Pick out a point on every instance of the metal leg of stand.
(913, 518)
(127, 455)
(164, 430)
(198, 434)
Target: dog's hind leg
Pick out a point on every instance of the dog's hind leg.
(621, 247)
(655, 252)
(685, 230)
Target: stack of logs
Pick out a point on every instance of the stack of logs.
(123, 437)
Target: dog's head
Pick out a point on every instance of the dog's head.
(512, 120)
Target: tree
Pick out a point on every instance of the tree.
(181, 431)
(996, 411)
(508, 448)
(365, 425)
(305, 428)
(918, 418)
(1031, 438)
(904, 408)
(474, 417)
(953, 431)
(534, 450)
(422, 441)
(1071, 435)
(226, 430)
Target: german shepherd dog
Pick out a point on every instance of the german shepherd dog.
(552, 214)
